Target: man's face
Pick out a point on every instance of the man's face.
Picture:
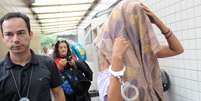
(16, 35)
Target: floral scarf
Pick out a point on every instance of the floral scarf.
(129, 20)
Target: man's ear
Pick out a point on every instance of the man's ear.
(2, 34)
(31, 34)
(2, 38)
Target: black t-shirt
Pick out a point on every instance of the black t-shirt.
(44, 77)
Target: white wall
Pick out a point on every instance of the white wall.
(92, 57)
(184, 18)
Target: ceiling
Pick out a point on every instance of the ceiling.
(57, 16)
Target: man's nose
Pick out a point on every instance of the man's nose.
(16, 38)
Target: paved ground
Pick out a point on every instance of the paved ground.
(95, 99)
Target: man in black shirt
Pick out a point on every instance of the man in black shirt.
(25, 76)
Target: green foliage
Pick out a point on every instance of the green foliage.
(47, 40)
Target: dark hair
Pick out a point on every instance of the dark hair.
(56, 50)
(16, 15)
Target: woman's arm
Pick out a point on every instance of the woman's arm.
(119, 49)
(174, 46)
(58, 94)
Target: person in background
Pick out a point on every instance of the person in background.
(24, 75)
(45, 52)
(128, 30)
(50, 52)
(75, 84)
(64, 59)
(62, 54)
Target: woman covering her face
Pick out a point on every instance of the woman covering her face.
(132, 21)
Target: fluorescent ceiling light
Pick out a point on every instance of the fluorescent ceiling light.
(51, 32)
(70, 31)
(58, 8)
(67, 33)
(53, 2)
(67, 19)
(57, 31)
(58, 27)
(60, 23)
(58, 15)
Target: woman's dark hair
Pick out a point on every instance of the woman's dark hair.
(16, 15)
(56, 50)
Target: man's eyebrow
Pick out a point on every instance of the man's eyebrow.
(20, 30)
(16, 31)
(7, 32)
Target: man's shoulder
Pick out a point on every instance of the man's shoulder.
(2, 68)
(2, 62)
(43, 58)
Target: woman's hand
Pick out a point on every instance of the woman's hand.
(63, 62)
(72, 62)
(155, 20)
(121, 44)
(174, 46)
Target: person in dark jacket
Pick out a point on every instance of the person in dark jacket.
(76, 84)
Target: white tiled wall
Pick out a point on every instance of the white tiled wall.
(184, 18)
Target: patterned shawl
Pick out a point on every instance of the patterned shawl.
(129, 20)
